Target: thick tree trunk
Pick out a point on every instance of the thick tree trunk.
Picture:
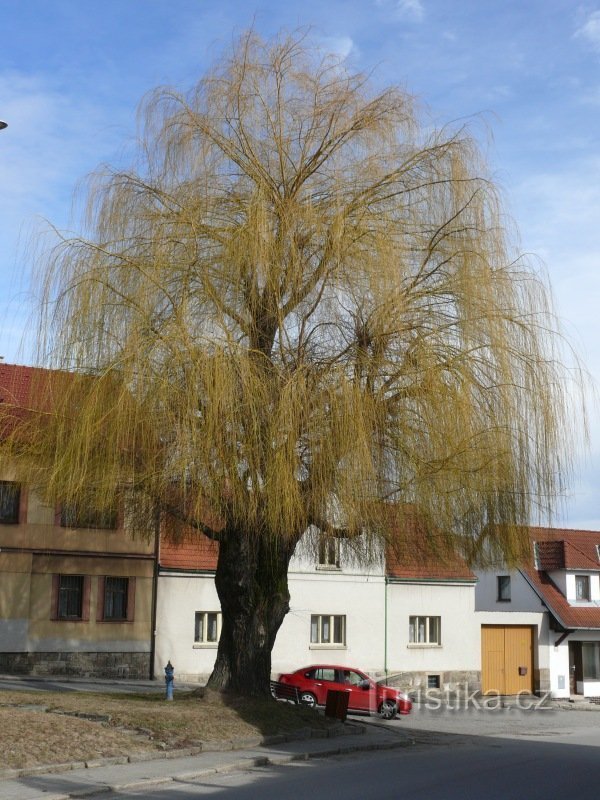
(252, 585)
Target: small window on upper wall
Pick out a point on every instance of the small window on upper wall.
(503, 587)
(10, 498)
(329, 552)
(582, 588)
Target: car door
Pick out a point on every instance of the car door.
(360, 698)
(324, 679)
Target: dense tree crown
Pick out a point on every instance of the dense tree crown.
(300, 306)
(299, 303)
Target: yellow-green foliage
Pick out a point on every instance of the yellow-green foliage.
(300, 302)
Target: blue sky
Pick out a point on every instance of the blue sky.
(526, 73)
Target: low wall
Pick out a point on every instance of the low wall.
(84, 665)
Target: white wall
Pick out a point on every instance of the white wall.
(178, 599)
(359, 595)
(460, 637)
(558, 658)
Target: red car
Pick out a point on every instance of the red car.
(366, 695)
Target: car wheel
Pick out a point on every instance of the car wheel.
(308, 699)
(388, 709)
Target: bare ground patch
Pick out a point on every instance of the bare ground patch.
(41, 727)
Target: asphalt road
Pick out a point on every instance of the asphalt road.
(491, 769)
(538, 724)
(506, 754)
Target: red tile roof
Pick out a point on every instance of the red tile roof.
(193, 551)
(25, 389)
(417, 552)
(567, 615)
(563, 548)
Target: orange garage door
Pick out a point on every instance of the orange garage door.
(506, 658)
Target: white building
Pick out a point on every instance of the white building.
(410, 617)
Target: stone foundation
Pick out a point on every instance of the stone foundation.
(135, 666)
(453, 681)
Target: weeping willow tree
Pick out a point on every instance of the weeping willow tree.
(300, 307)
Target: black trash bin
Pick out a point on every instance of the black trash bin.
(336, 704)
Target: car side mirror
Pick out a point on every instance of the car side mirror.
(364, 684)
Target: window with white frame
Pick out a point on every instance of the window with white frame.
(207, 627)
(503, 588)
(328, 629)
(582, 588)
(425, 630)
(329, 552)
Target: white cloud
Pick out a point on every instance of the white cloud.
(590, 30)
(403, 9)
(340, 46)
(409, 9)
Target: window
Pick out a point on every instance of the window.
(207, 627)
(71, 517)
(351, 677)
(70, 597)
(582, 588)
(10, 497)
(590, 653)
(116, 599)
(425, 630)
(433, 681)
(116, 591)
(328, 629)
(324, 674)
(503, 586)
(329, 552)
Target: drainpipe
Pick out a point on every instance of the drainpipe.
(154, 595)
(385, 625)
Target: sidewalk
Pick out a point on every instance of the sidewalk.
(78, 780)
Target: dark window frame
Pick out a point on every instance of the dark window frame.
(62, 605)
(329, 552)
(10, 506)
(101, 604)
(503, 589)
